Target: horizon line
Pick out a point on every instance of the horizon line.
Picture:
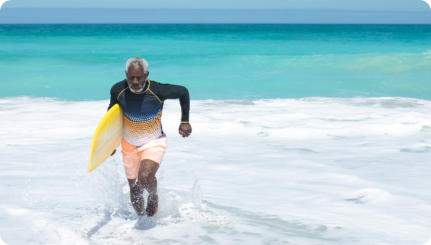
(218, 9)
(209, 23)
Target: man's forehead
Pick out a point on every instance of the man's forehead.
(135, 69)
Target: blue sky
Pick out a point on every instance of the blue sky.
(386, 5)
(220, 11)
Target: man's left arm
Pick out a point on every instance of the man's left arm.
(170, 91)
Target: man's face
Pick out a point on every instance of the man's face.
(136, 78)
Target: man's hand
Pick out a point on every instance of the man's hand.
(185, 129)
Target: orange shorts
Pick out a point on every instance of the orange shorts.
(133, 155)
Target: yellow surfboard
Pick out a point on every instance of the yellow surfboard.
(107, 137)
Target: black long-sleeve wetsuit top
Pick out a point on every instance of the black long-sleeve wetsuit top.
(142, 112)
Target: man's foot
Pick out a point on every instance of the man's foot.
(152, 205)
(137, 199)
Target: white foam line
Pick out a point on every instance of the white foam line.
(2, 2)
(429, 6)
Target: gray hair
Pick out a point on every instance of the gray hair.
(137, 61)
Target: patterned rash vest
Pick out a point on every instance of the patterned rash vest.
(142, 112)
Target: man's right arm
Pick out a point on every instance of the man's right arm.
(114, 94)
(115, 90)
(113, 98)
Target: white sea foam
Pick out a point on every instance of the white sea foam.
(429, 242)
(303, 171)
(2, 242)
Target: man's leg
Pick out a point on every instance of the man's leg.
(136, 196)
(131, 162)
(147, 179)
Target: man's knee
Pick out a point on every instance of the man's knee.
(147, 180)
(147, 171)
(132, 183)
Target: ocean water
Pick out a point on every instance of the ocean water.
(81, 62)
(302, 134)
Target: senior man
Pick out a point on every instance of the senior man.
(144, 141)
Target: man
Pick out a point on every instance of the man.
(144, 141)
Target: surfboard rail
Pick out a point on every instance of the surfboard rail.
(107, 137)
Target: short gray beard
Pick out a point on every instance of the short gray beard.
(136, 91)
(140, 90)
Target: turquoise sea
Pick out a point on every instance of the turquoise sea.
(219, 61)
(302, 134)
